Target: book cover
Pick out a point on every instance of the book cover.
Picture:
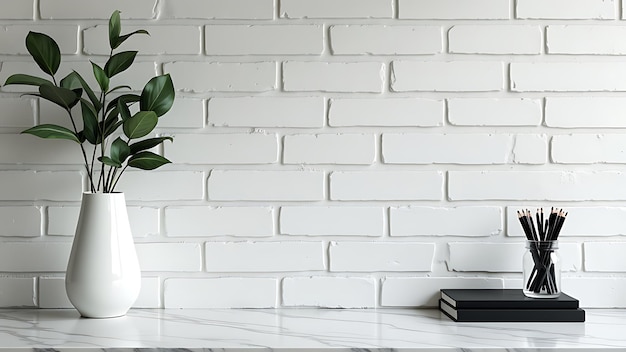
(512, 315)
(503, 299)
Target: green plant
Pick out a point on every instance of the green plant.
(101, 116)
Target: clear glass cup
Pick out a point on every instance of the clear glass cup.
(542, 269)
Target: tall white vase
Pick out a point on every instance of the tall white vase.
(103, 277)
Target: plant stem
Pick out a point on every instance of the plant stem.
(82, 149)
(118, 178)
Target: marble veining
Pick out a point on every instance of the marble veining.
(309, 330)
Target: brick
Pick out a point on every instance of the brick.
(93, 9)
(226, 292)
(17, 292)
(332, 221)
(329, 292)
(36, 185)
(264, 256)
(425, 291)
(567, 76)
(495, 39)
(231, 148)
(217, 9)
(185, 113)
(266, 185)
(163, 40)
(62, 221)
(219, 221)
(536, 185)
(380, 256)
(174, 257)
(607, 221)
(305, 112)
(329, 149)
(495, 111)
(335, 9)
(389, 185)
(386, 112)
(590, 112)
(385, 40)
(588, 149)
(366, 77)
(486, 257)
(199, 77)
(16, 10)
(571, 256)
(150, 293)
(280, 39)
(589, 39)
(586, 290)
(453, 76)
(453, 9)
(52, 293)
(434, 148)
(440, 221)
(12, 38)
(505, 257)
(605, 256)
(20, 221)
(566, 9)
(34, 256)
(28, 149)
(181, 185)
(530, 149)
(17, 112)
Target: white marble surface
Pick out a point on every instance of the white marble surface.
(302, 329)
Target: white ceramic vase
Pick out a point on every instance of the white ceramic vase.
(103, 277)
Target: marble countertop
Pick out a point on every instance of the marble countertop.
(301, 329)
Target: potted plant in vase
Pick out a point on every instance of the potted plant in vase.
(103, 277)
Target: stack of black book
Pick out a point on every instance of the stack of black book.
(507, 305)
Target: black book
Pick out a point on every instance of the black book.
(503, 299)
(512, 315)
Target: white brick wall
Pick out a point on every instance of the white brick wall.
(453, 76)
(333, 153)
(264, 40)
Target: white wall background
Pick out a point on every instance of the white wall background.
(335, 153)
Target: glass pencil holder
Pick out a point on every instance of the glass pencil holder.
(542, 269)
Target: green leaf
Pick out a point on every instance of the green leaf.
(123, 38)
(123, 110)
(63, 97)
(70, 81)
(158, 95)
(108, 161)
(27, 80)
(140, 124)
(81, 137)
(90, 122)
(111, 127)
(147, 161)
(76, 77)
(119, 150)
(53, 132)
(118, 87)
(119, 62)
(115, 27)
(45, 51)
(101, 77)
(148, 143)
(126, 98)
